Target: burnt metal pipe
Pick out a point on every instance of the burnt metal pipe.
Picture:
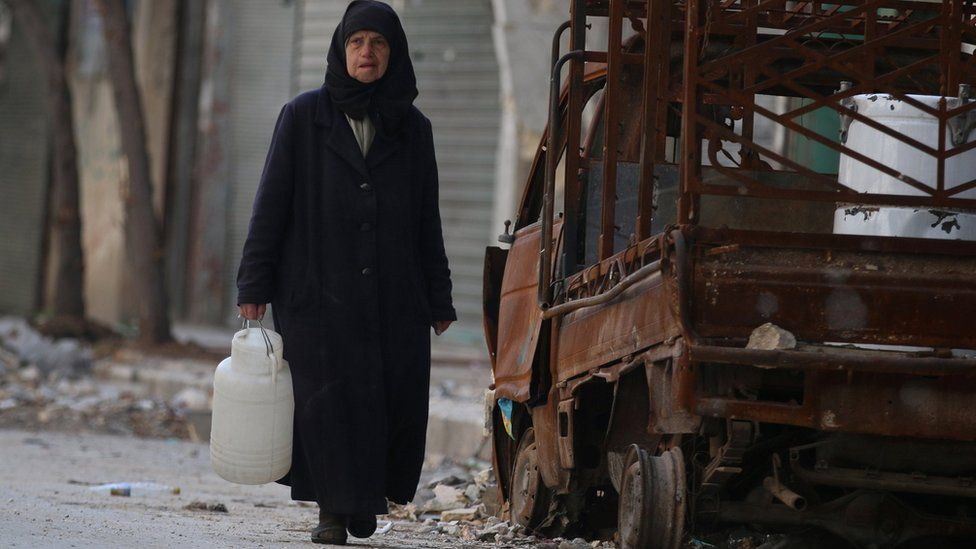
(835, 360)
(555, 43)
(625, 283)
(683, 279)
(781, 492)
(552, 158)
(895, 482)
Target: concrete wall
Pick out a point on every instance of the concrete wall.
(523, 34)
(102, 165)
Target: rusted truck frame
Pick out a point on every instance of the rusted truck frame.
(627, 398)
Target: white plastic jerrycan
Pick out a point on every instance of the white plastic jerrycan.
(253, 410)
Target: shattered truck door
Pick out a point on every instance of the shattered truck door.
(519, 316)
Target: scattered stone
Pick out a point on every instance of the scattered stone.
(422, 496)
(403, 512)
(445, 498)
(62, 358)
(484, 477)
(29, 374)
(505, 537)
(473, 493)
(770, 337)
(578, 543)
(450, 476)
(493, 521)
(8, 362)
(467, 513)
(491, 531)
(204, 506)
(467, 533)
(191, 398)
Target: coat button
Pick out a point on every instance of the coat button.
(367, 271)
(366, 187)
(365, 227)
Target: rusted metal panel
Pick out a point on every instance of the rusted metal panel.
(898, 406)
(495, 259)
(519, 318)
(835, 359)
(595, 336)
(544, 420)
(862, 297)
(868, 403)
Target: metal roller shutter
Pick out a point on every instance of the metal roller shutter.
(261, 69)
(23, 176)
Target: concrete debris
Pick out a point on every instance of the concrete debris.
(578, 543)
(770, 337)
(450, 474)
(104, 412)
(47, 383)
(204, 506)
(473, 492)
(62, 358)
(445, 498)
(403, 512)
(467, 514)
(8, 361)
(191, 398)
(30, 400)
(468, 486)
(491, 533)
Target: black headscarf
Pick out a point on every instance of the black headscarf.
(388, 99)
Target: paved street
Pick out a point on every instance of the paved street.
(45, 500)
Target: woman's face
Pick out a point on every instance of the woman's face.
(367, 56)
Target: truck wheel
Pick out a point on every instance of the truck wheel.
(528, 495)
(651, 509)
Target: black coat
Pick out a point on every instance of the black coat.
(349, 251)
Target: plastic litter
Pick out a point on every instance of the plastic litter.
(505, 405)
(137, 489)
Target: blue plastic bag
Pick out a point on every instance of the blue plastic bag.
(505, 406)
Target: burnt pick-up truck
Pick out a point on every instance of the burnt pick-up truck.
(697, 325)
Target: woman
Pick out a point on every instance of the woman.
(345, 241)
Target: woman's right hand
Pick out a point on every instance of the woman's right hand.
(253, 311)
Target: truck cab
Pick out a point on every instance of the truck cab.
(694, 324)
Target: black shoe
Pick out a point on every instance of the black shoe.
(361, 526)
(331, 529)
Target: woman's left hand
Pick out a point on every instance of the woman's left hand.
(440, 326)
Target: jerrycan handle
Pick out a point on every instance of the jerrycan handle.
(268, 347)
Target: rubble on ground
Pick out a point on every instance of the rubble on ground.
(459, 500)
(212, 507)
(23, 345)
(48, 383)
